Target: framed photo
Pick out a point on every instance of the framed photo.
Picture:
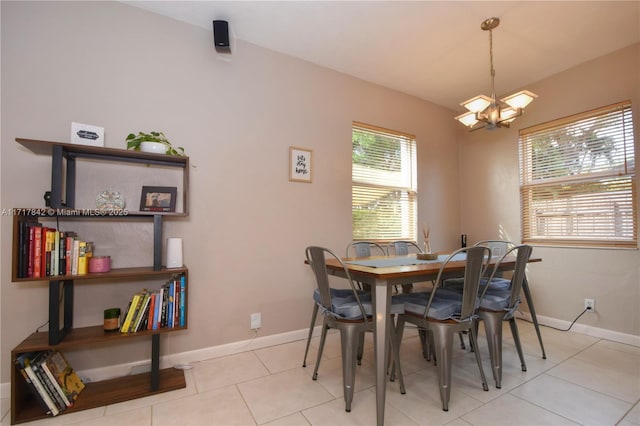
(158, 199)
(300, 165)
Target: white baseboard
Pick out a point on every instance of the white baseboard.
(628, 339)
(183, 359)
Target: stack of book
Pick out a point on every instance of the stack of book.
(51, 379)
(162, 308)
(45, 252)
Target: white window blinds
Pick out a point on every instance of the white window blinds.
(577, 180)
(383, 195)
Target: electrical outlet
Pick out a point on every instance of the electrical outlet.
(256, 321)
(590, 305)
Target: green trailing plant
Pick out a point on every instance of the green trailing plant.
(134, 141)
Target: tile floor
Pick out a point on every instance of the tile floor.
(584, 381)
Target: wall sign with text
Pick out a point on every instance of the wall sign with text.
(300, 165)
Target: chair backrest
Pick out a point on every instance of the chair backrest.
(316, 257)
(364, 249)
(476, 262)
(401, 248)
(522, 254)
(498, 247)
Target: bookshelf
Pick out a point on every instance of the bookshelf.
(62, 335)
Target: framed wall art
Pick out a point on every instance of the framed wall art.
(300, 164)
(158, 199)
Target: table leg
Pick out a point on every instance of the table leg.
(382, 302)
(532, 311)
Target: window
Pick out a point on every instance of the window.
(577, 180)
(383, 189)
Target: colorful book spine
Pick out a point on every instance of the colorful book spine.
(54, 381)
(183, 295)
(41, 390)
(132, 310)
(37, 252)
(82, 258)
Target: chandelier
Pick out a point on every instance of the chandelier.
(486, 112)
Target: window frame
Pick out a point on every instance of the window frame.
(590, 200)
(406, 190)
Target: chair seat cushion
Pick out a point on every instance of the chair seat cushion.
(496, 283)
(446, 304)
(496, 299)
(345, 306)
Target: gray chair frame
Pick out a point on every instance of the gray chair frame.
(362, 249)
(350, 329)
(442, 332)
(493, 319)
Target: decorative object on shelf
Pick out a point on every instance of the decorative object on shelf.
(425, 235)
(112, 319)
(174, 253)
(300, 166)
(110, 200)
(485, 110)
(158, 199)
(99, 264)
(86, 134)
(154, 142)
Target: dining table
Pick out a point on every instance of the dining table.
(383, 273)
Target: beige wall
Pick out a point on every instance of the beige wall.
(128, 70)
(490, 198)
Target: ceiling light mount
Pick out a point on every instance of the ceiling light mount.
(486, 112)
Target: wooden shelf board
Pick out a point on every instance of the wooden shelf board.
(108, 392)
(134, 272)
(46, 147)
(83, 336)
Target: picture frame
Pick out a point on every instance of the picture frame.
(300, 164)
(158, 199)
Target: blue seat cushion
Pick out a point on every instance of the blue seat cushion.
(446, 304)
(496, 299)
(344, 304)
(496, 283)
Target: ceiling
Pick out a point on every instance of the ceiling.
(434, 50)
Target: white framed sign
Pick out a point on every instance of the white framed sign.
(86, 134)
(300, 165)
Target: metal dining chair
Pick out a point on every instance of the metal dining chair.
(351, 315)
(498, 304)
(498, 248)
(403, 248)
(443, 312)
(359, 249)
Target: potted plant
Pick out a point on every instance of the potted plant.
(155, 142)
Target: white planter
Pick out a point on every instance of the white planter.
(153, 147)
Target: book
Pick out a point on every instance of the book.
(24, 230)
(54, 381)
(135, 300)
(36, 365)
(40, 387)
(69, 254)
(21, 362)
(183, 293)
(55, 262)
(69, 381)
(157, 310)
(143, 307)
(48, 249)
(152, 310)
(62, 258)
(82, 258)
(74, 257)
(37, 252)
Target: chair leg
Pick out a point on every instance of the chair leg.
(462, 346)
(473, 339)
(349, 354)
(314, 314)
(493, 329)
(323, 337)
(516, 339)
(360, 347)
(399, 331)
(443, 345)
(395, 350)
